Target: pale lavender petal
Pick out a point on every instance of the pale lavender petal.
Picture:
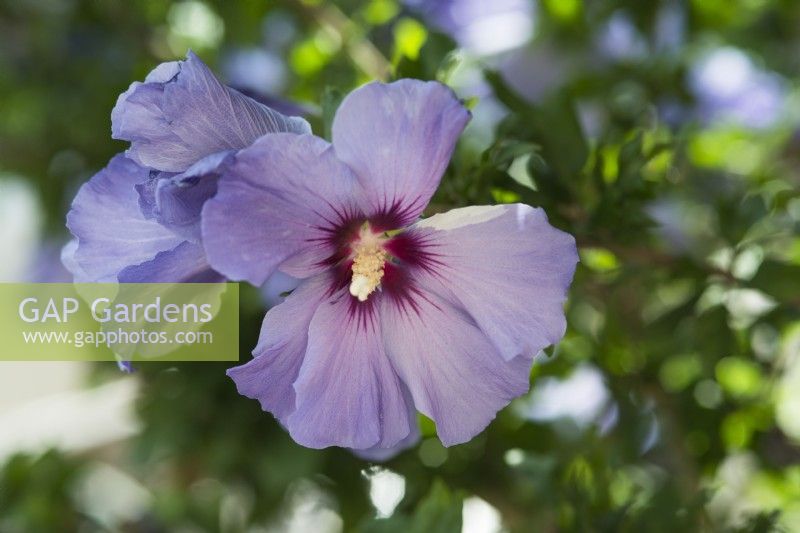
(269, 377)
(278, 205)
(164, 72)
(347, 393)
(111, 230)
(147, 192)
(182, 113)
(377, 454)
(69, 262)
(277, 286)
(507, 267)
(398, 138)
(179, 199)
(281, 105)
(454, 373)
(186, 263)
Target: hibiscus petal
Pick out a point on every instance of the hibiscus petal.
(178, 199)
(398, 138)
(378, 454)
(182, 113)
(277, 286)
(347, 392)
(72, 266)
(279, 200)
(186, 263)
(454, 373)
(111, 230)
(269, 377)
(507, 267)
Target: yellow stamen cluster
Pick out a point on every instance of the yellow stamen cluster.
(367, 267)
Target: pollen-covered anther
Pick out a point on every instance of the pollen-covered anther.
(367, 268)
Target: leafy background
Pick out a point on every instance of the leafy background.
(662, 134)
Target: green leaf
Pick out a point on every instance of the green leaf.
(409, 37)
(555, 127)
(439, 512)
(379, 12)
(779, 280)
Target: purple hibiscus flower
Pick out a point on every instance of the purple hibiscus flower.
(394, 314)
(138, 219)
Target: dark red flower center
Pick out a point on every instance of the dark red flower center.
(371, 256)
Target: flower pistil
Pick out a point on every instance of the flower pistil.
(369, 258)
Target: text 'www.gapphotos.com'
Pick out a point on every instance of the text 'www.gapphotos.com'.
(110, 339)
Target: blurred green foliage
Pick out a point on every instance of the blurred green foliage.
(686, 300)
